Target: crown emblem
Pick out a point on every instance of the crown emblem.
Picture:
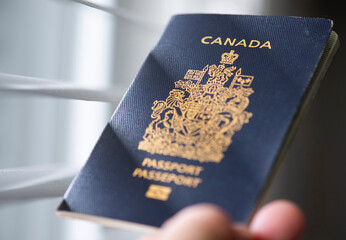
(229, 58)
(199, 117)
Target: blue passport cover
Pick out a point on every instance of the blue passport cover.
(204, 120)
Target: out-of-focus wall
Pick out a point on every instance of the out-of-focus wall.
(313, 172)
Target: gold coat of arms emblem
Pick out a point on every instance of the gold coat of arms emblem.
(198, 120)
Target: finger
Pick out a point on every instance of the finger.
(198, 222)
(241, 232)
(153, 236)
(279, 220)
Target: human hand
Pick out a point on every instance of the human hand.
(279, 220)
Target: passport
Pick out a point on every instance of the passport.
(208, 118)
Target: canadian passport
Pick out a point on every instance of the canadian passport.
(207, 119)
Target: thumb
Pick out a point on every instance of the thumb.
(199, 222)
(280, 219)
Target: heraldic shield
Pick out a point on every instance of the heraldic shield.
(198, 120)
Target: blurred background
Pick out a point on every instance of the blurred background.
(94, 48)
